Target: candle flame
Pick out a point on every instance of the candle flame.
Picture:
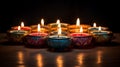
(99, 28)
(78, 22)
(94, 24)
(58, 21)
(59, 30)
(22, 24)
(81, 29)
(38, 27)
(19, 28)
(42, 22)
(59, 25)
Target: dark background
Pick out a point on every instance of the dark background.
(104, 13)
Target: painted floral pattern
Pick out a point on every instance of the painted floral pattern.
(81, 41)
(59, 44)
(35, 40)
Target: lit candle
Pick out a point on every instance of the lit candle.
(16, 35)
(75, 28)
(26, 28)
(19, 28)
(59, 42)
(42, 22)
(58, 22)
(37, 39)
(38, 28)
(58, 27)
(22, 24)
(102, 36)
(95, 28)
(78, 22)
(99, 29)
(81, 30)
(44, 28)
(81, 40)
(59, 30)
(53, 26)
(94, 25)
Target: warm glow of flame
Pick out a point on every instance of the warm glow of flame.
(38, 27)
(59, 61)
(94, 24)
(20, 57)
(42, 22)
(99, 28)
(59, 25)
(39, 60)
(19, 28)
(99, 57)
(80, 59)
(59, 31)
(58, 21)
(78, 22)
(22, 24)
(81, 29)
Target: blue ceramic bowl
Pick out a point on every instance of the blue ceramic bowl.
(59, 43)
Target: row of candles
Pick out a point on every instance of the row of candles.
(60, 35)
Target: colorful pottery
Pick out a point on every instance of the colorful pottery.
(82, 40)
(102, 36)
(16, 35)
(36, 40)
(75, 29)
(60, 43)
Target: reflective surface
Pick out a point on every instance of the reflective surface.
(12, 55)
(19, 56)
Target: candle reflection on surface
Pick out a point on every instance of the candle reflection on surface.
(80, 58)
(59, 61)
(99, 57)
(20, 57)
(21, 66)
(39, 60)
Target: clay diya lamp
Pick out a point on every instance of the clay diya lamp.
(16, 35)
(36, 40)
(95, 28)
(44, 28)
(54, 26)
(25, 28)
(82, 40)
(59, 42)
(75, 28)
(102, 36)
(55, 32)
